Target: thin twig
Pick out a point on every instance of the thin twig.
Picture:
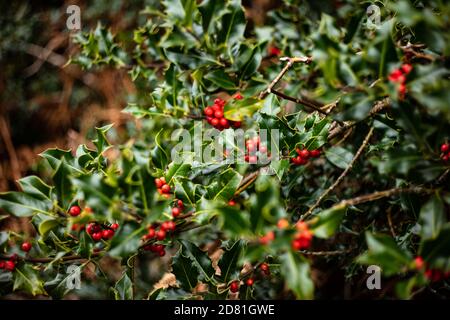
(342, 176)
(299, 101)
(382, 194)
(6, 137)
(289, 64)
(326, 253)
(45, 260)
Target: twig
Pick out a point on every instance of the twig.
(45, 260)
(6, 137)
(326, 253)
(377, 108)
(382, 194)
(391, 225)
(342, 176)
(299, 101)
(289, 64)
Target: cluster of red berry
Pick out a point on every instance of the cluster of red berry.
(178, 208)
(433, 275)
(163, 187)
(445, 152)
(99, 232)
(399, 76)
(303, 155)
(8, 265)
(214, 115)
(234, 285)
(156, 248)
(252, 146)
(158, 234)
(303, 237)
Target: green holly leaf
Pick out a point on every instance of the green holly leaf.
(27, 279)
(229, 260)
(199, 259)
(385, 253)
(186, 272)
(296, 272)
(328, 221)
(123, 289)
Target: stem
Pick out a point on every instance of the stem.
(342, 176)
(289, 64)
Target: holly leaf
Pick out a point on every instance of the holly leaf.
(328, 221)
(228, 261)
(385, 253)
(199, 259)
(27, 279)
(296, 273)
(186, 272)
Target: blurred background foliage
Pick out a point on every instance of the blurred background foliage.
(164, 61)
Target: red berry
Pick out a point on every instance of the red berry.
(238, 96)
(396, 75)
(264, 267)
(2, 264)
(97, 236)
(252, 159)
(224, 123)
(92, 228)
(151, 233)
(283, 223)
(445, 148)
(406, 68)
(314, 153)
(115, 226)
(231, 202)
(9, 265)
(171, 225)
(107, 234)
(296, 244)
(26, 246)
(234, 286)
(176, 212)
(304, 154)
(161, 234)
(159, 183)
(249, 282)
(165, 188)
(215, 122)
(219, 102)
(209, 111)
(74, 211)
(162, 253)
(274, 51)
(158, 247)
(446, 157)
(419, 263)
(165, 226)
(218, 114)
(237, 124)
(180, 204)
(250, 146)
(402, 89)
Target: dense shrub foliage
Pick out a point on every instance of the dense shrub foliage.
(359, 176)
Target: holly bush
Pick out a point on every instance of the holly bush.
(345, 101)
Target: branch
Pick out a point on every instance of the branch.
(299, 101)
(383, 194)
(342, 176)
(289, 64)
(45, 260)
